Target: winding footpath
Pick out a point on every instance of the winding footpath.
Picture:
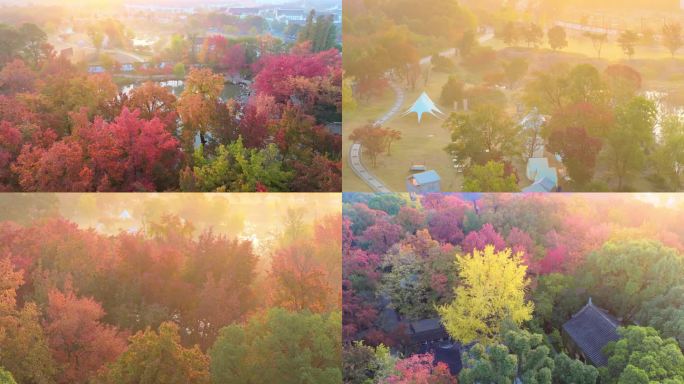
(355, 150)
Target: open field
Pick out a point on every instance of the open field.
(424, 143)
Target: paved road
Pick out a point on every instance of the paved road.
(134, 56)
(355, 150)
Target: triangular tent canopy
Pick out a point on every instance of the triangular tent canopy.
(424, 105)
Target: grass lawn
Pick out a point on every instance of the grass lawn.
(420, 143)
(364, 113)
(424, 143)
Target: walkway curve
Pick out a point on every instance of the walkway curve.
(355, 150)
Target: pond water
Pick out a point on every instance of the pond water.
(663, 109)
(230, 90)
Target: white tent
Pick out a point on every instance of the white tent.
(424, 105)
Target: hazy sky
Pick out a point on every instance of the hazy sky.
(170, 3)
(258, 216)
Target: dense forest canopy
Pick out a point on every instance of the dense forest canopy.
(144, 290)
(210, 102)
(503, 273)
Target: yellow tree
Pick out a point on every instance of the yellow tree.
(491, 290)
(197, 104)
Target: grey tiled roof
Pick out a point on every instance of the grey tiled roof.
(427, 330)
(591, 329)
(426, 325)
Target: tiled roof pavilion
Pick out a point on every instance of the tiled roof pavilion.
(591, 329)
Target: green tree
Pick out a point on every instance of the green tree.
(490, 177)
(96, 37)
(665, 313)
(632, 137)
(33, 40)
(514, 70)
(491, 290)
(349, 103)
(452, 91)
(319, 31)
(493, 365)
(555, 299)
(390, 203)
(641, 355)
(367, 365)
(557, 38)
(280, 347)
(419, 279)
(672, 37)
(466, 43)
(178, 49)
(159, 358)
(533, 34)
(525, 357)
(10, 43)
(179, 70)
(627, 40)
(633, 375)
(25, 350)
(585, 85)
(487, 133)
(236, 168)
(510, 34)
(669, 155)
(597, 40)
(6, 377)
(547, 90)
(534, 363)
(626, 274)
(551, 91)
(358, 363)
(571, 371)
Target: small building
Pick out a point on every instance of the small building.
(545, 177)
(96, 69)
(243, 12)
(449, 353)
(542, 185)
(335, 128)
(296, 16)
(424, 182)
(588, 332)
(427, 331)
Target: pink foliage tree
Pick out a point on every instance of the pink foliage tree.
(520, 241)
(487, 235)
(234, 59)
(420, 369)
(555, 261)
(445, 225)
(381, 236)
(278, 75)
